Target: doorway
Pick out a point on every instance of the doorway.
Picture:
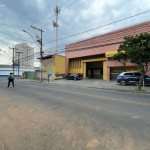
(94, 70)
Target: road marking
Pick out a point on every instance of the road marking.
(135, 117)
(96, 96)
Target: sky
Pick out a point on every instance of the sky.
(76, 17)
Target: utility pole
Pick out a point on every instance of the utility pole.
(41, 51)
(13, 57)
(55, 25)
(18, 62)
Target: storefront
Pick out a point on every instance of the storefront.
(93, 57)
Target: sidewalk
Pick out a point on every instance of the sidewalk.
(96, 83)
(93, 83)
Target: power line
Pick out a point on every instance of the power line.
(119, 32)
(50, 12)
(54, 15)
(110, 33)
(99, 27)
(15, 37)
(43, 43)
(73, 8)
(46, 16)
(68, 11)
(91, 43)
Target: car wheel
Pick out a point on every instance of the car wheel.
(75, 79)
(149, 83)
(123, 82)
(66, 78)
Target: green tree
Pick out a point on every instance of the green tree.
(135, 49)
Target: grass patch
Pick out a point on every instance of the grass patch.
(140, 91)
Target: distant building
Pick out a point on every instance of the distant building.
(26, 57)
(5, 70)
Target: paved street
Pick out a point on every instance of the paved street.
(40, 116)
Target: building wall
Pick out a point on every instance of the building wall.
(101, 45)
(59, 64)
(31, 75)
(38, 74)
(54, 66)
(48, 67)
(4, 72)
(75, 66)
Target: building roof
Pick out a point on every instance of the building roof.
(5, 66)
(50, 56)
(46, 57)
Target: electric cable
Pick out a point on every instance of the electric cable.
(99, 27)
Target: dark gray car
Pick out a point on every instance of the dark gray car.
(73, 77)
(132, 78)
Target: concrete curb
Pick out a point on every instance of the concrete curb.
(121, 90)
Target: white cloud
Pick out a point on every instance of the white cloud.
(41, 5)
(20, 15)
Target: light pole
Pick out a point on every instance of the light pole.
(18, 62)
(13, 57)
(40, 41)
(41, 50)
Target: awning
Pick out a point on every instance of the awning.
(110, 53)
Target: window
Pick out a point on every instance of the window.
(117, 70)
(128, 74)
(137, 74)
(110, 58)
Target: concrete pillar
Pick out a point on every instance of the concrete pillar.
(84, 70)
(108, 73)
(104, 71)
(67, 65)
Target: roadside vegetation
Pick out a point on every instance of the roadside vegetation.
(135, 49)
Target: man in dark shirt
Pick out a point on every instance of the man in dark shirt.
(10, 79)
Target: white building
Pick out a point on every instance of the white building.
(5, 70)
(24, 55)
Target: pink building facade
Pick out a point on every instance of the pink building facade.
(92, 57)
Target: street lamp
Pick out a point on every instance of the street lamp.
(31, 36)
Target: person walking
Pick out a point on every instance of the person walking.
(10, 79)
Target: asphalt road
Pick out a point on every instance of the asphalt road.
(36, 116)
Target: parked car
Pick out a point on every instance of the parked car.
(131, 78)
(73, 77)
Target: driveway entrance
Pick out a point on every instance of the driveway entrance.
(95, 69)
